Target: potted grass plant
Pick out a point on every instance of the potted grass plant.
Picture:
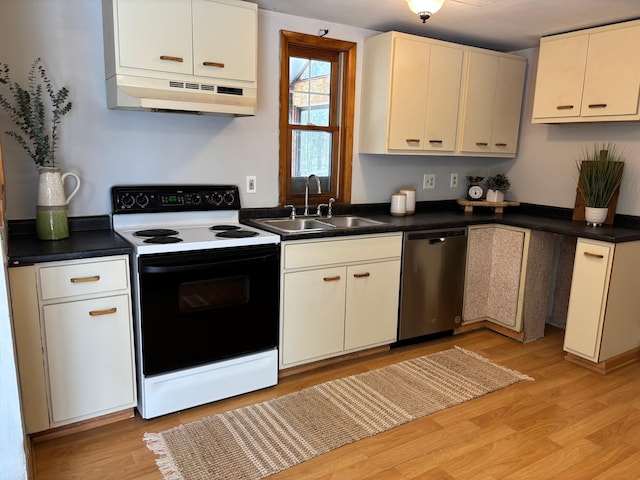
(599, 177)
(497, 185)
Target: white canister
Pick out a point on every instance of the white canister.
(410, 193)
(398, 204)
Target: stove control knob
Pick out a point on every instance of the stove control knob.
(196, 199)
(142, 200)
(216, 198)
(229, 198)
(127, 200)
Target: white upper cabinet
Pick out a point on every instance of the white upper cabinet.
(589, 76)
(194, 37)
(412, 92)
(492, 103)
(424, 96)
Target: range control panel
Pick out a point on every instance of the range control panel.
(173, 198)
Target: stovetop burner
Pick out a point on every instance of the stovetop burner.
(163, 240)
(156, 232)
(224, 227)
(236, 234)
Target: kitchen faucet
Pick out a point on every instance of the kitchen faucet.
(306, 192)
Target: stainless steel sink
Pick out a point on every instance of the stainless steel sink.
(306, 224)
(349, 221)
(296, 224)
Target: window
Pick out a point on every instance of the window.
(317, 85)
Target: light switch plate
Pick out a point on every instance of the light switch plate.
(251, 184)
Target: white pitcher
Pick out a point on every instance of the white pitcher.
(51, 187)
(51, 208)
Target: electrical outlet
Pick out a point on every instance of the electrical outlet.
(454, 180)
(429, 181)
(251, 184)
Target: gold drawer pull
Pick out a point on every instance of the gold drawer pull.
(598, 105)
(565, 107)
(171, 59)
(332, 279)
(361, 275)
(108, 311)
(482, 144)
(435, 141)
(593, 255)
(213, 64)
(412, 140)
(501, 144)
(95, 278)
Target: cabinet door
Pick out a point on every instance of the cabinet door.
(481, 80)
(155, 35)
(371, 316)
(494, 282)
(224, 41)
(560, 77)
(587, 300)
(612, 78)
(313, 314)
(89, 357)
(507, 106)
(409, 84)
(443, 97)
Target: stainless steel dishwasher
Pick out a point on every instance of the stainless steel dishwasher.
(433, 269)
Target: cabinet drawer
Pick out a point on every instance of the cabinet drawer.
(58, 281)
(299, 255)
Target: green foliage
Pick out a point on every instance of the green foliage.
(600, 173)
(499, 183)
(37, 134)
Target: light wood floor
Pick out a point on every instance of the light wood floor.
(568, 424)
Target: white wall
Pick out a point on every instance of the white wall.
(107, 147)
(13, 460)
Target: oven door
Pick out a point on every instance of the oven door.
(203, 306)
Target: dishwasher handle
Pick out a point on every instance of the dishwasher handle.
(435, 236)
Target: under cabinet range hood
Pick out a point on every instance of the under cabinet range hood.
(154, 94)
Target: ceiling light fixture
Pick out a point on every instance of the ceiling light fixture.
(425, 8)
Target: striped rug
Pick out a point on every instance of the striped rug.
(259, 440)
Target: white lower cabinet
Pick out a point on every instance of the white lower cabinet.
(603, 324)
(74, 340)
(338, 296)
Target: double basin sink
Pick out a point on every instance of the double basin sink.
(307, 224)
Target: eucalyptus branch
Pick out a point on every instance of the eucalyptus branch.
(28, 112)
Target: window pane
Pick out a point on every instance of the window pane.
(309, 91)
(311, 153)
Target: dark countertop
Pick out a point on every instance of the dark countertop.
(89, 237)
(446, 214)
(93, 237)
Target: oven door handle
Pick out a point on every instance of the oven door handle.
(205, 266)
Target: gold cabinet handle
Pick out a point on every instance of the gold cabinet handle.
(361, 275)
(482, 144)
(412, 140)
(108, 311)
(597, 105)
(593, 255)
(501, 144)
(332, 279)
(94, 278)
(564, 107)
(169, 58)
(213, 64)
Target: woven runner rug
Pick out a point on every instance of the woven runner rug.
(259, 440)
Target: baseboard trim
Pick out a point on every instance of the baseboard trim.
(82, 426)
(519, 336)
(606, 366)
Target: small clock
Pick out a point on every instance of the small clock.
(475, 190)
